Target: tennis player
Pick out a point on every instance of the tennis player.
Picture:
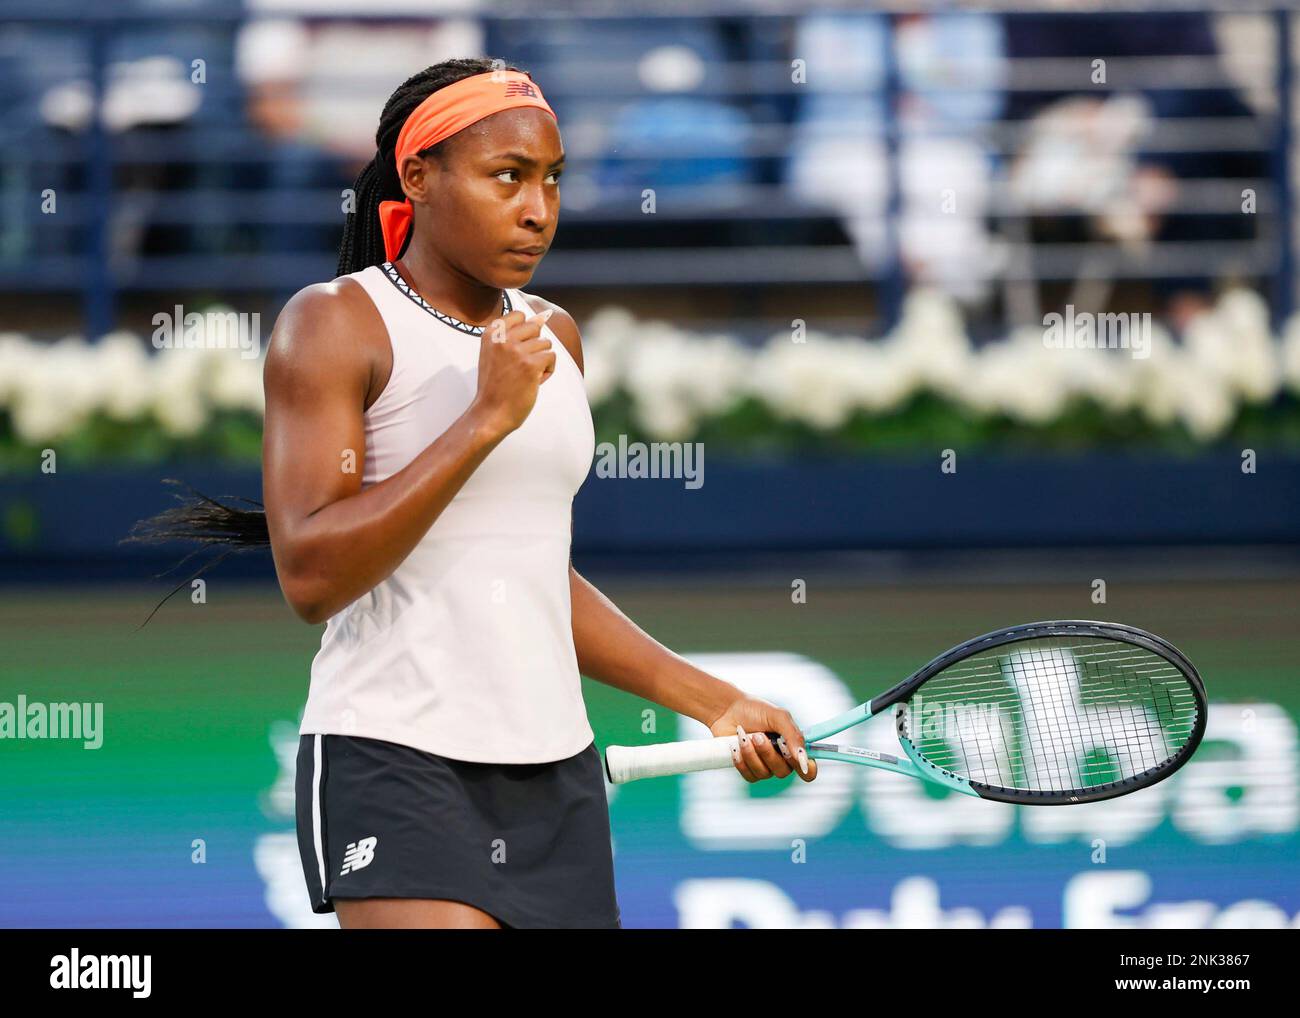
(426, 430)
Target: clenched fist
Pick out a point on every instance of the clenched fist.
(513, 361)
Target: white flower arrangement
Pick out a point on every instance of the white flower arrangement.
(674, 380)
(1228, 359)
(50, 390)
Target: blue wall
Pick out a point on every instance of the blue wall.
(70, 522)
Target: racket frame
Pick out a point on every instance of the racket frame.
(914, 765)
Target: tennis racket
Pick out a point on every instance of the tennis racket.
(1047, 713)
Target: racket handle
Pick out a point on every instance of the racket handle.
(630, 763)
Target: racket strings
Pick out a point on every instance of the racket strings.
(1053, 714)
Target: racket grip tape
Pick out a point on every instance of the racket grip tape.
(630, 763)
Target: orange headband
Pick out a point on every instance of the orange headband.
(441, 115)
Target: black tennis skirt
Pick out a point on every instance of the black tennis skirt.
(529, 844)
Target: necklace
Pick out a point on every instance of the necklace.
(390, 270)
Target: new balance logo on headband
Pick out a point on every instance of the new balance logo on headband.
(359, 855)
(520, 88)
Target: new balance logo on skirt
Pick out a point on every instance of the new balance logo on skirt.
(359, 855)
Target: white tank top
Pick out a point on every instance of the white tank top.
(466, 650)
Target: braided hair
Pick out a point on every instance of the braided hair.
(210, 522)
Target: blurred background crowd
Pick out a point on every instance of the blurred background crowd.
(731, 171)
(1011, 159)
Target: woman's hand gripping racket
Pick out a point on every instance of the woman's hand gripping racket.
(1047, 713)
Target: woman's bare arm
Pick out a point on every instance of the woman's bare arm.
(332, 541)
(614, 650)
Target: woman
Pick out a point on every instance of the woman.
(426, 430)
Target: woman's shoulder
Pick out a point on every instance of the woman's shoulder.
(342, 295)
(561, 323)
(336, 319)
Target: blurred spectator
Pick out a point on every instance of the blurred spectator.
(639, 98)
(677, 140)
(1092, 123)
(272, 60)
(313, 96)
(950, 72)
(147, 101)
